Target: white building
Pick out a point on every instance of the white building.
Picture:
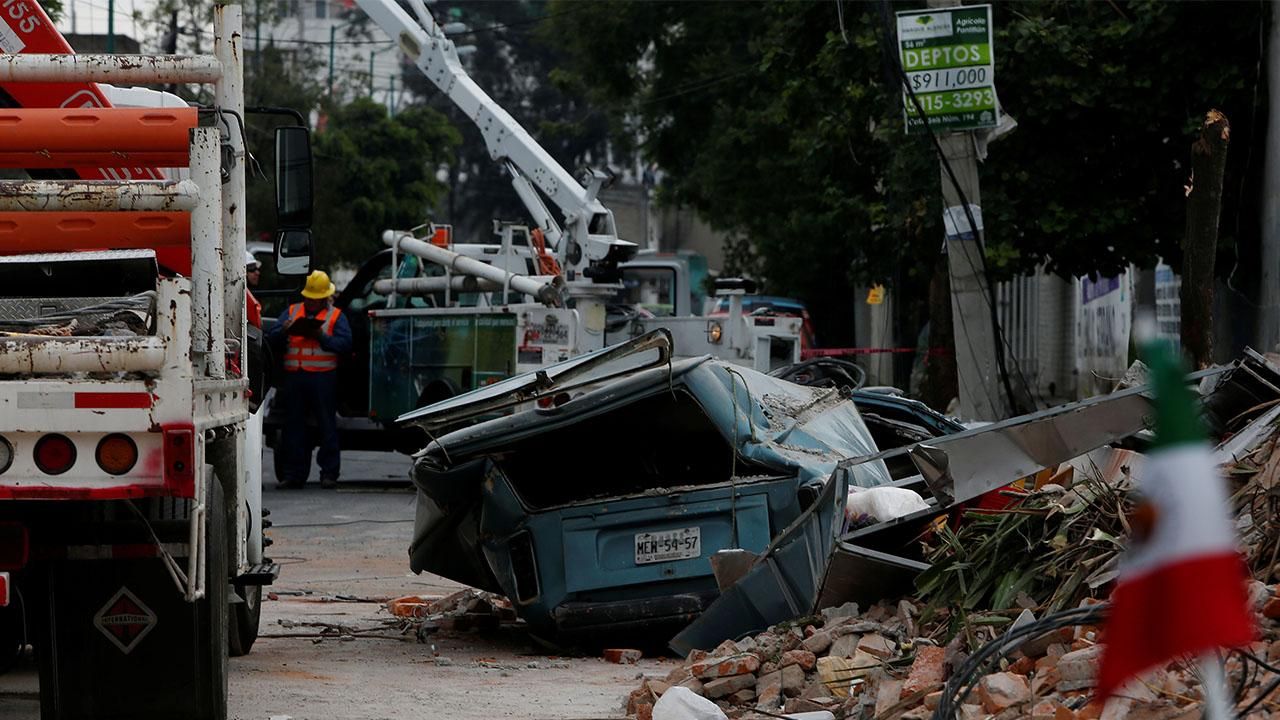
(329, 38)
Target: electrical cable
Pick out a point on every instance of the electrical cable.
(932, 137)
(966, 677)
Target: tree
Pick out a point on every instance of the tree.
(787, 132)
(374, 172)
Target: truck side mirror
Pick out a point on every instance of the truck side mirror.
(293, 252)
(293, 177)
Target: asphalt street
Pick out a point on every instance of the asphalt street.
(343, 553)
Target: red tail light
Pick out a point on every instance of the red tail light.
(55, 454)
(180, 460)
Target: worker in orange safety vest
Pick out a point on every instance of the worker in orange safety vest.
(316, 335)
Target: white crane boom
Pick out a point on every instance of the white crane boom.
(588, 247)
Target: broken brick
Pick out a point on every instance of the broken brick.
(1022, 665)
(1001, 691)
(743, 696)
(623, 656)
(719, 667)
(696, 656)
(927, 670)
(1272, 608)
(693, 684)
(644, 711)
(676, 676)
(805, 659)
(657, 687)
(877, 645)
(723, 686)
(637, 696)
(726, 649)
(845, 645)
(818, 642)
(887, 695)
(1080, 666)
(792, 680)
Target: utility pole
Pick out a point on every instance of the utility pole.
(111, 26)
(981, 394)
(975, 336)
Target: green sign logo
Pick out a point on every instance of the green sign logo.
(924, 19)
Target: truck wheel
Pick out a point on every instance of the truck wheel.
(246, 616)
(212, 610)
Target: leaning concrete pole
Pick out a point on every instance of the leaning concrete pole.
(981, 396)
(1268, 332)
(975, 336)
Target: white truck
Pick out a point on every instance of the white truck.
(131, 547)
(537, 296)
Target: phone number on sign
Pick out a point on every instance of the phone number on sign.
(943, 102)
(952, 79)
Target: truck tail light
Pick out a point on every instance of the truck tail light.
(4, 589)
(116, 454)
(55, 454)
(6, 454)
(15, 547)
(180, 460)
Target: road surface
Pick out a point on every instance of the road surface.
(342, 552)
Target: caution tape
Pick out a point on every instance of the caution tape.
(844, 352)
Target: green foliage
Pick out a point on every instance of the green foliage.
(375, 172)
(783, 124)
(1054, 549)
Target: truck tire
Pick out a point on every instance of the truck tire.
(244, 621)
(170, 658)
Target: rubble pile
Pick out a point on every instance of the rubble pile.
(883, 664)
(1056, 547)
(1053, 547)
(465, 610)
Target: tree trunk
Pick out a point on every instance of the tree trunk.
(1200, 245)
(941, 382)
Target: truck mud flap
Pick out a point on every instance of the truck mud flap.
(116, 639)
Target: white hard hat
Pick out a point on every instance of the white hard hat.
(250, 261)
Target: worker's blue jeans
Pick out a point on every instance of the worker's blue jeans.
(310, 395)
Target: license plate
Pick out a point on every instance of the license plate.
(668, 545)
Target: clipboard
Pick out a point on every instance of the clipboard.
(305, 326)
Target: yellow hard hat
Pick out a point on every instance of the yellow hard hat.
(318, 286)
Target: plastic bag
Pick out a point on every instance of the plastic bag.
(875, 505)
(681, 703)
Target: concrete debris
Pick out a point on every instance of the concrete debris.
(622, 656)
(1049, 677)
(463, 611)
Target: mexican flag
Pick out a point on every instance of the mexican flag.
(1182, 585)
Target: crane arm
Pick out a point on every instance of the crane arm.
(590, 235)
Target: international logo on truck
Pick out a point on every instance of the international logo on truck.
(125, 620)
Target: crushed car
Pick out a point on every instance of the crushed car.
(594, 492)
